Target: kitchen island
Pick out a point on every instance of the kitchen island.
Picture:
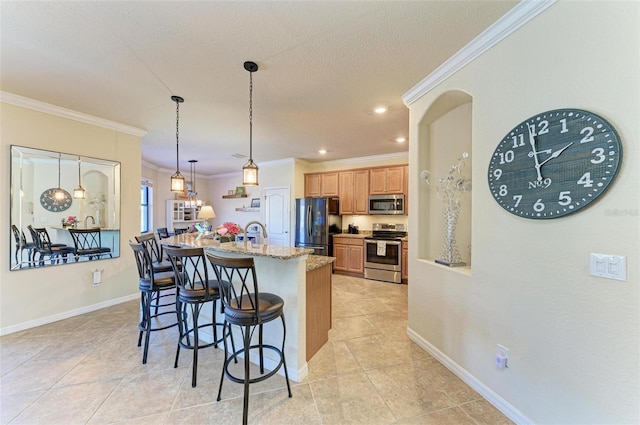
(302, 280)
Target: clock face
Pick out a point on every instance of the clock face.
(50, 203)
(554, 163)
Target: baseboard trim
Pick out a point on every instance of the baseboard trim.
(498, 402)
(67, 314)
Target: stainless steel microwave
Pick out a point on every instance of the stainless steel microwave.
(386, 204)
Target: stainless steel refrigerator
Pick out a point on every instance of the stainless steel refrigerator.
(317, 220)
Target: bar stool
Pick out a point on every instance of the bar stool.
(194, 290)
(44, 248)
(22, 245)
(88, 243)
(152, 284)
(246, 307)
(155, 251)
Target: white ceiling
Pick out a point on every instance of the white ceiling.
(324, 66)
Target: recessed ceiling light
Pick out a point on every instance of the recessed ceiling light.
(380, 110)
(322, 151)
(401, 140)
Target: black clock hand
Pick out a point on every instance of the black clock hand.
(532, 142)
(555, 154)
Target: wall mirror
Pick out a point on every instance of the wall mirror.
(65, 208)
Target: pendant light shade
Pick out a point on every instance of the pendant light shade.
(58, 194)
(177, 181)
(250, 169)
(79, 192)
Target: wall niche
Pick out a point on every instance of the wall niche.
(445, 132)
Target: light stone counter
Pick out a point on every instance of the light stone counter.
(205, 240)
(317, 261)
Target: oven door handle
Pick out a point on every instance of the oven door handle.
(388, 242)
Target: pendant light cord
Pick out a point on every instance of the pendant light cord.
(58, 171)
(177, 136)
(251, 115)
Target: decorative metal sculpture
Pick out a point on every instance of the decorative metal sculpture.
(450, 189)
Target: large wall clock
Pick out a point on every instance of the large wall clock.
(50, 203)
(554, 164)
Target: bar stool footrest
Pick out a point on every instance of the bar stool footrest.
(234, 356)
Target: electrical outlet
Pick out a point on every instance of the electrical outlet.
(502, 357)
(97, 278)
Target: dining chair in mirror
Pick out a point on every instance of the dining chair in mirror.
(88, 244)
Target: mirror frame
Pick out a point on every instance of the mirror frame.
(101, 180)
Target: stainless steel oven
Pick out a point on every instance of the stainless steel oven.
(383, 253)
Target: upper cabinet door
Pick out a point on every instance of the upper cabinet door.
(329, 184)
(345, 192)
(361, 192)
(321, 184)
(383, 181)
(312, 185)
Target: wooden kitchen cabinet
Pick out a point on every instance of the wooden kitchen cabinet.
(321, 184)
(385, 181)
(353, 190)
(349, 253)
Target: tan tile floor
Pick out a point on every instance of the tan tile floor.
(87, 370)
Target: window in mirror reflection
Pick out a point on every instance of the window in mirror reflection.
(145, 207)
(49, 226)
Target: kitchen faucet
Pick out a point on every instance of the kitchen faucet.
(246, 227)
(93, 220)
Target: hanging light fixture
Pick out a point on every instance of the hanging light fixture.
(193, 194)
(79, 192)
(58, 194)
(250, 169)
(177, 181)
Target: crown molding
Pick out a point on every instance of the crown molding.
(519, 15)
(358, 160)
(59, 111)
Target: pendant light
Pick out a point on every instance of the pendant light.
(193, 194)
(250, 169)
(58, 194)
(177, 181)
(79, 192)
(195, 176)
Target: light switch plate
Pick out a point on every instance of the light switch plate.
(608, 266)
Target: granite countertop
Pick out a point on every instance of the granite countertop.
(317, 261)
(102, 229)
(363, 234)
(205, 240)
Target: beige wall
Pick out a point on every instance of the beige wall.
(32, 297)
(573, 338)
